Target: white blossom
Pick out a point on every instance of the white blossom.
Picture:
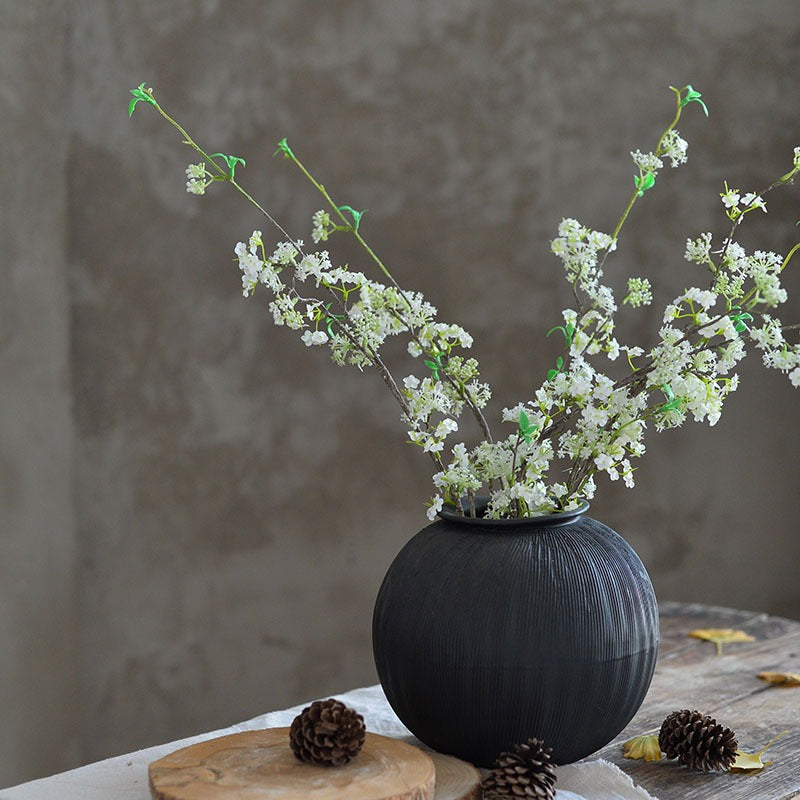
(197, 179)
(723, 326)
(730, 198)
(699, 250)
(752, 200)
(647, 162)
(311, 338)
(321, 222)
(769, 335)
(446, 427)
(284, 312)
(435, 507)
(593, 421)
(315, 264)
(674, 147)
(639, 292)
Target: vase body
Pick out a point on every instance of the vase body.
(486, 633)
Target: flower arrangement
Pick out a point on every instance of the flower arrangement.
(581, 421)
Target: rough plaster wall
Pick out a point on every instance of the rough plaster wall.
(38, 593)
(238, 497)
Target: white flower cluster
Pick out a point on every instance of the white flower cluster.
(579, 249)
(354, 315)
(198, 178)
(580, 421)
(321, 226)
(737, 203)
(647, 162)
(640, 293)
(778, 353)
(699, 250)
(674, 148)
(671, 146)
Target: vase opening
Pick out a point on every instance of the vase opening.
(450, 514)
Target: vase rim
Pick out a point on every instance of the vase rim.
(449, 514)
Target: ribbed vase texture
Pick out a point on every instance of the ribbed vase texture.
(485, 635)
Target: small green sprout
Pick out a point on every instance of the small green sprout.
(356, 215)
(673, 403)
(283, 147)
(140, 94)
(693, 96)
(231, 162)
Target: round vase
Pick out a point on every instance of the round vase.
(489, 632)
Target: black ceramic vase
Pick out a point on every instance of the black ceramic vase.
(486, 633)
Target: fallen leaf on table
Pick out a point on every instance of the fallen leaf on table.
(645, 747)
(721, 636)
(780, 678)
(751, 762)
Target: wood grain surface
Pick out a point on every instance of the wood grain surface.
(259, 764)
(455, 779)
(690, 674)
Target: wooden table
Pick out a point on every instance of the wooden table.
(690, 674)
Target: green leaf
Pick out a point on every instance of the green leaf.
(139, 94)
(644, 182)
(526, 430)
(673, 403)
(356, 215)
(330, 318)
(283, 147)
(551, 374)
(740, 320)
(693, 96)
(567, 332)
(434, 367)
(231, 162)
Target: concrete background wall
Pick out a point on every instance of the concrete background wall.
(195, 510)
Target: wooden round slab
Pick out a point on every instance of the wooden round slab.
(260, 764)
(455, 779)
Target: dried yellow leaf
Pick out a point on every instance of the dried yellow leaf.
(751, 762)
(748, 762)
(645, 747)
(721, 636)
(780, 678)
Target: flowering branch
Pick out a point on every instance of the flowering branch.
(580, 421)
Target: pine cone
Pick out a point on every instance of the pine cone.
(524, 772)
(327, 733)
(697, 741)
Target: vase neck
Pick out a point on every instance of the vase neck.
(539, 520)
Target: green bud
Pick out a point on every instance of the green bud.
(140, 94)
